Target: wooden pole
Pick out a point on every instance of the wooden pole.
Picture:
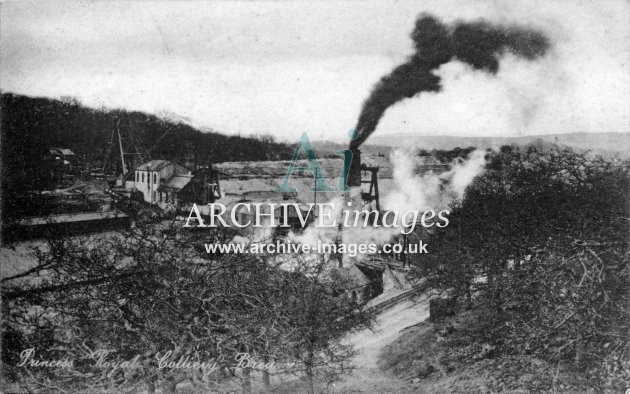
(122, 155)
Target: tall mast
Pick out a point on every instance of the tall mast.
(122, 154)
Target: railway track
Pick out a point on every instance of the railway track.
(381, 306)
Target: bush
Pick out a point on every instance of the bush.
(541, 241)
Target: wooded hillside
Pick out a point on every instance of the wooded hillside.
(31, 126)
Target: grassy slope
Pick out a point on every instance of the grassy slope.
(459, 363)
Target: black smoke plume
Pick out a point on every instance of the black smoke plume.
(478, 44)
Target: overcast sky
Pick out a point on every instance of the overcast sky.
(284, 67)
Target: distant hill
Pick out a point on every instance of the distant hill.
(601, 143)
(330, 148)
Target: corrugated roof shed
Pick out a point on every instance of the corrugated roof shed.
(236, 189)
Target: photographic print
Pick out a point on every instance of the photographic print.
(315, 196)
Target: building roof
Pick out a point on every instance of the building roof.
(61, 152)
(264, 188)
(154, 165)
(175, 183)
(331, 168)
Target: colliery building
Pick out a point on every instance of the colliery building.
(167, 184)
(160, 180)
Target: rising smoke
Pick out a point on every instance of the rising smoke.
(409, 191)
(477, 44)
(436, 191)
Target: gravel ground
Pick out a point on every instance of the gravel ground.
(368, 377)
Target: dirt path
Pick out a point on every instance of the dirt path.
(367, 377)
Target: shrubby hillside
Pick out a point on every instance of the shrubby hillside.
(538, 249)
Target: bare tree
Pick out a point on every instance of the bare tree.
(148, 299)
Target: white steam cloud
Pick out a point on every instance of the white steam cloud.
(411, 192)
(463, 174)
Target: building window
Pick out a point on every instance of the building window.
(137, 177)
(154, 178)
